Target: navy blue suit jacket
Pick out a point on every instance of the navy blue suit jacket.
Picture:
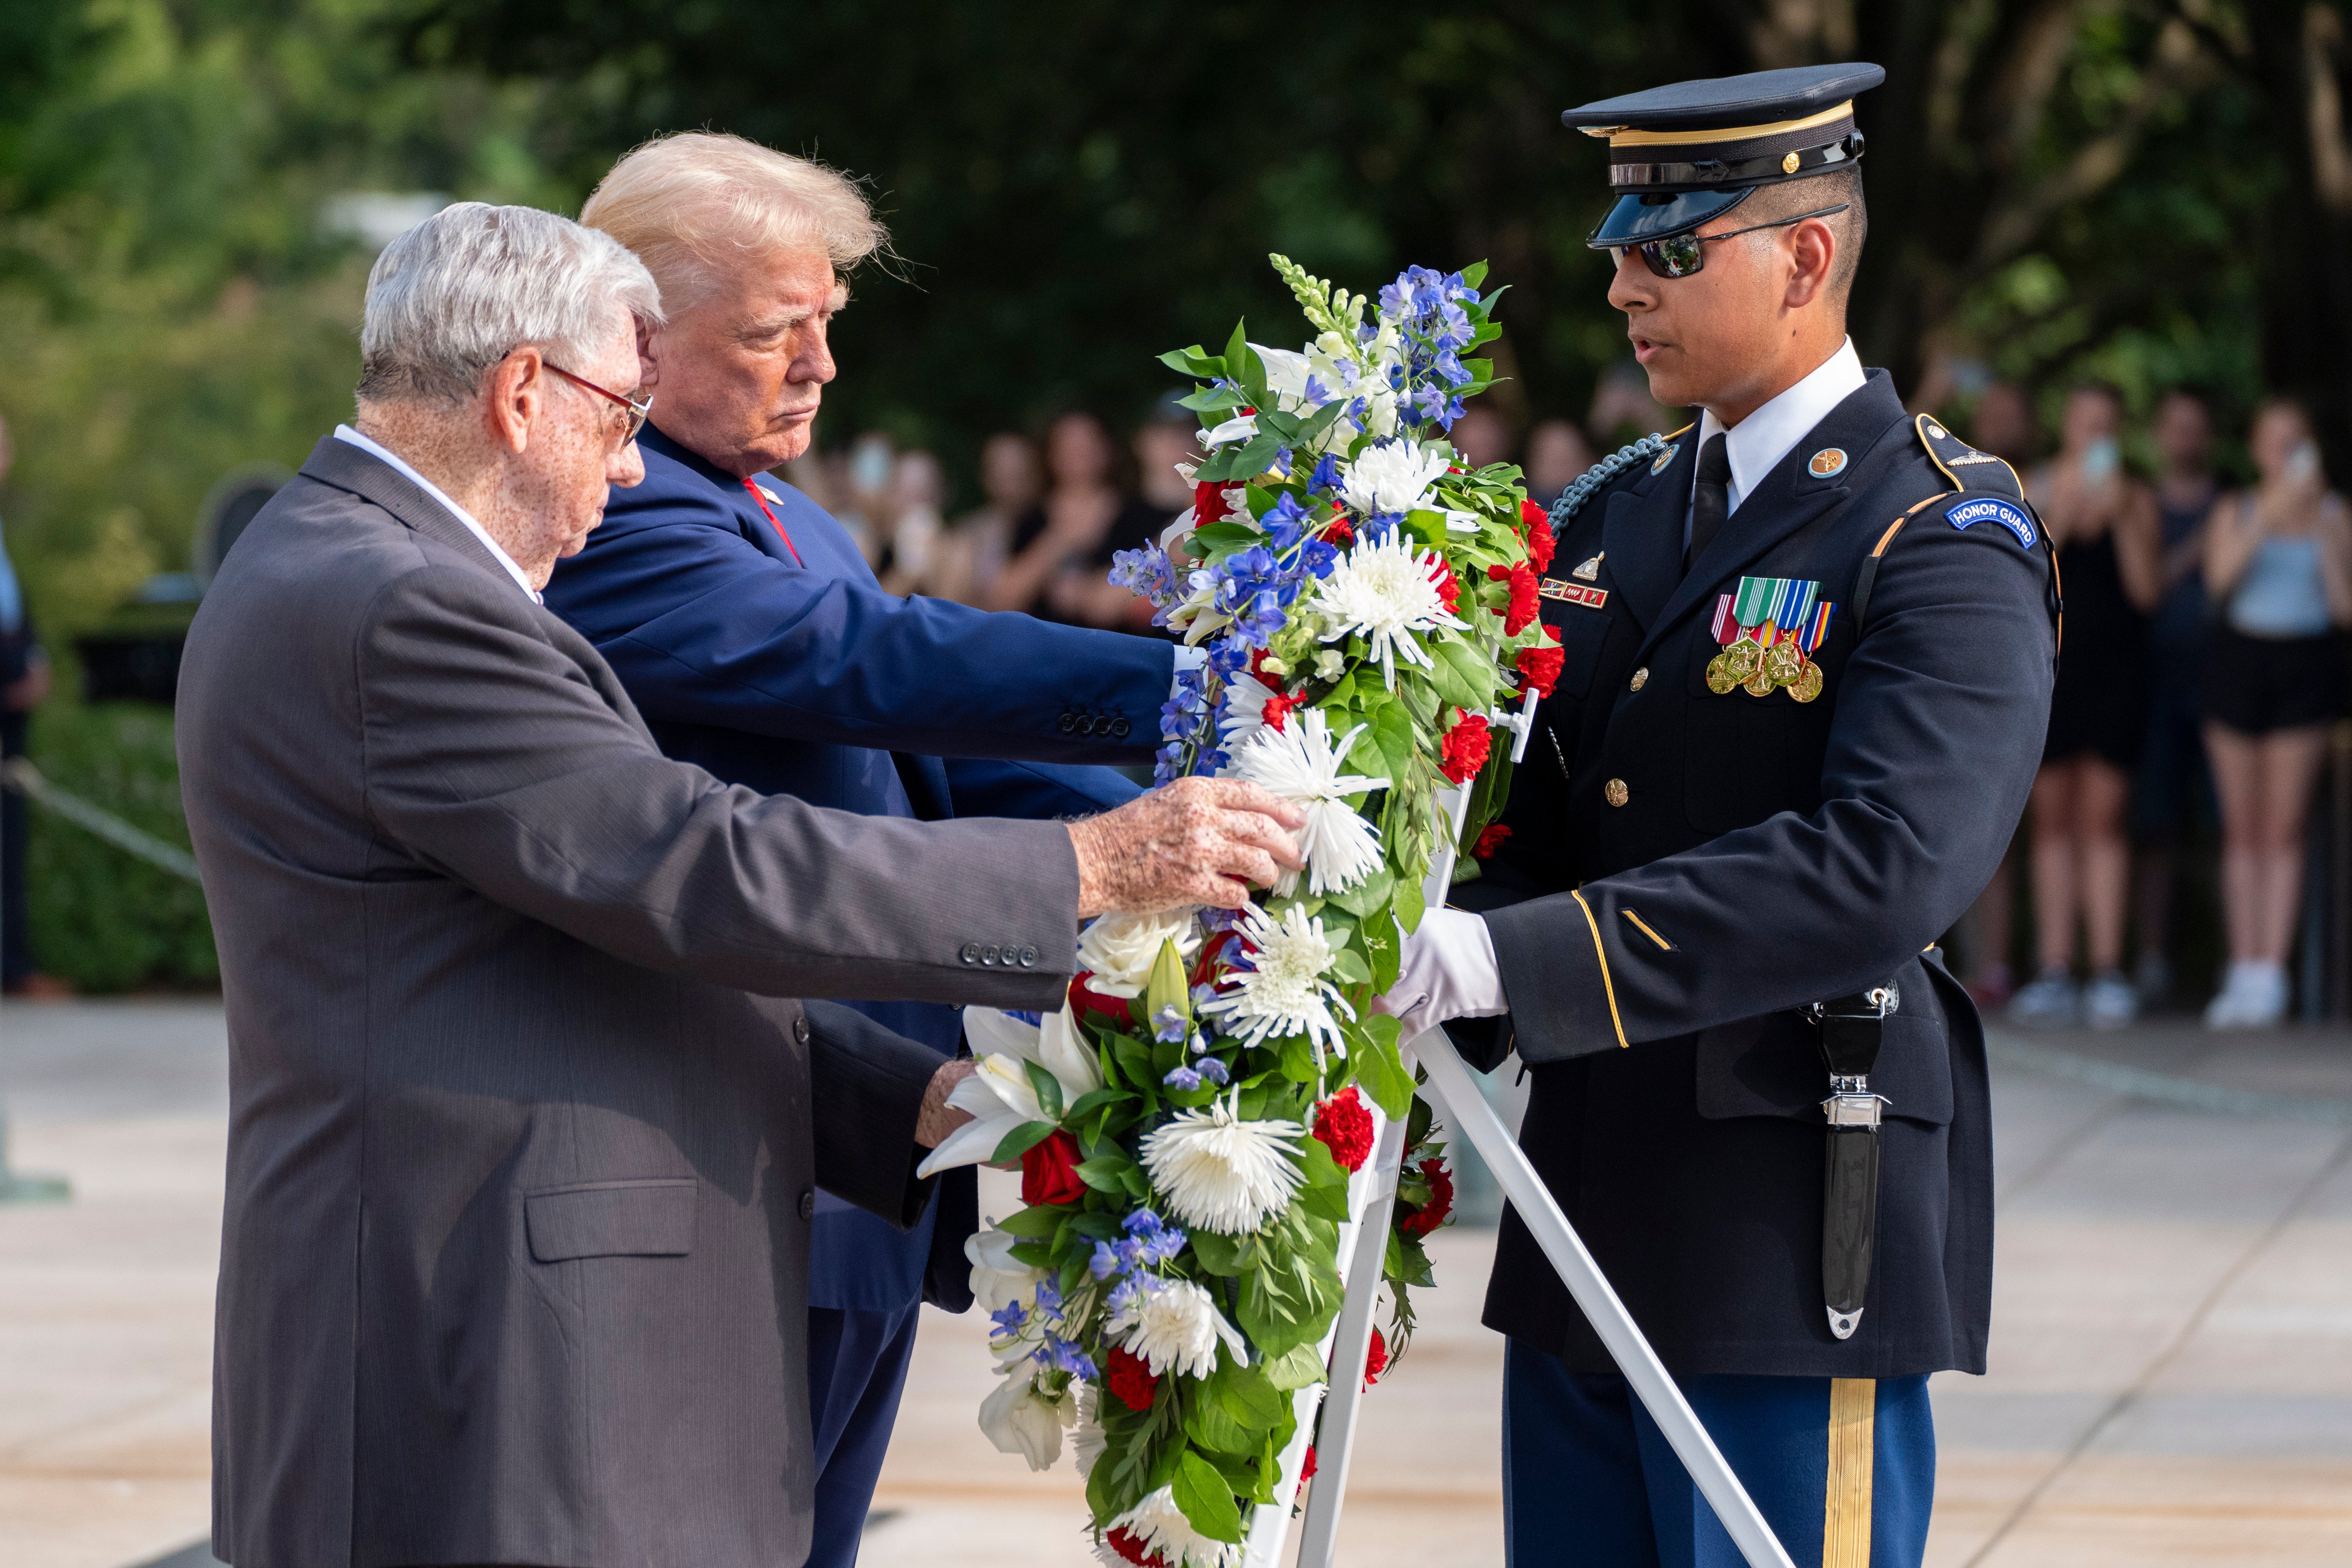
(763, 649)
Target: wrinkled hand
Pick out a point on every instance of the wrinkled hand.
(938, 1118)
(1447, 969)
(1194, 841)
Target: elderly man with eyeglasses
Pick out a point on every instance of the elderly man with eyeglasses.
(525, 1125)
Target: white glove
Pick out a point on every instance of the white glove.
(1447, 970)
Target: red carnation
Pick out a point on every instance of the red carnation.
(1208, 503)
(1083, 1000)
(1540, 544)
(1490, 841)
(1376, 1362)
(1447, 588)
(1132, 1379)
(1049, 1171)
(1341, 532)
(1464, 751)
(1131, 1549)
(1343, 1126)
(1307, 1473)
(1439, 1207)
(1277, 708)
(1531, 515)
(1541, 667)
(1524, 602)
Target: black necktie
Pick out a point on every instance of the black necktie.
(1710, 498)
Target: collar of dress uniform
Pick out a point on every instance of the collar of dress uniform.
(1758, 443)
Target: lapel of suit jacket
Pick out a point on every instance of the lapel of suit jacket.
(363, 473)
(1643, 535)
(1788, 497)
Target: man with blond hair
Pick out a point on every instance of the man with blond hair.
(752, 635)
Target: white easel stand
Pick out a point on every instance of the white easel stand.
(1467, 1111)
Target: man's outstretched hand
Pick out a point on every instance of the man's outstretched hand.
(1194, 841)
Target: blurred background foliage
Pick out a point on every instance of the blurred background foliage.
(2149, 191)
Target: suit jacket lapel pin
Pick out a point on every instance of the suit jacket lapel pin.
(1589, 571)
(1827, 463)
(1659, 465)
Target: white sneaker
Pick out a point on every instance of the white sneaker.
(2052, 1002)
(2109, 1002)
(2253, 996)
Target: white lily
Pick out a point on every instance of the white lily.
(1287, 371)
(998, 1277)
(1119, 950)
(1240, 427)
(1300, 763)
(999, 1096)
(1019, 1419)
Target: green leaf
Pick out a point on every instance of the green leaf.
(1220, 1255)
(1331, 1202)
(1037, 1223)
(1103, 1172)
(1048, 1088)
(1212, 399)
(1386, 951)
(1220, 537)
(1206, 1499)
(1349, 967)
(1473, 274)
(1193, 361)
(1020, 1141)
(1294, 1369)
(1473, 668)
(1246, 1395)
(1093, 1100)
(1382, 1073)
(1366, 895)
(1410, 905)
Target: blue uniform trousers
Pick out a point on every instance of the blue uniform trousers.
(857, 1365)
(1589, 1481)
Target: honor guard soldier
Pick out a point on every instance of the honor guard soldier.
(1809, 645)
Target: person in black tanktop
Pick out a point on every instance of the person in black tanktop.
(2103, 524)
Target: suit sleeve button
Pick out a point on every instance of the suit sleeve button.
(1086, 724)
(988, 954)
(1615, 793)
(1118, 729)
(801, 1030)
(1028, 958)
(1641, 679)
(1069, 722)
(808, 1202)
(969, 953)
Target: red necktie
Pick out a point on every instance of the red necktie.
(761, 501)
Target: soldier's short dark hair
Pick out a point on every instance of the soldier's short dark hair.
(1786, 198)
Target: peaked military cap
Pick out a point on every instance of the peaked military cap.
(1691, 151)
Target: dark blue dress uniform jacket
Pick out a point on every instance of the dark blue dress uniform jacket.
(1768, 854)
(800, 676)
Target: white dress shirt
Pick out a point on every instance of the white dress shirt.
(400, 466)
(1758, 442)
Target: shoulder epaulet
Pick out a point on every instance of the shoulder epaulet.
(1606, 469)
(1962, 466)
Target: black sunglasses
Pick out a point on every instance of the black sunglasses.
(1683, 254)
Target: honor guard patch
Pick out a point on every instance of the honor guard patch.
(1589, 571)
(2012, 518)
(1574, 593)
(1664, 458)
(1827, 463)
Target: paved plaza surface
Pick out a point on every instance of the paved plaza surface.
(2171, 1378)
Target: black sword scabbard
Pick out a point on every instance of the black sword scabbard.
(1850, 1027)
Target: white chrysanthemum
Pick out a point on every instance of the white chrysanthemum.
(1174, 1325)
(1393, 476)
(1086, 1439)
(1222, 1174)
(997, 1276)
(1160, 1527)
(1285, 991)
(1019, 1419)
(1245, 711)
(1301, 763)
(999, 1096)
(1122, 949)
(1388, 591)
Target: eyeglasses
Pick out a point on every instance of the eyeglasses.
(1684, 255)
(638, 410)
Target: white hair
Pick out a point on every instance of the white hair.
(469, 285)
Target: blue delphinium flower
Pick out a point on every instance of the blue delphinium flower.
(1317, 393)
(1168, 764)
(1324, 480)
(1286, 521)
(1453, 329)
(1009, 1318)
(1261, 619)
(1064, 1355)
(1213, 1069)
(1376, 528)
(1449, 368)
(1049, 1298)
(1034, 1020)
(1317, 558)
(1105, 1263)
(1202, 995)
(1168, 1025)
(1183, 1079)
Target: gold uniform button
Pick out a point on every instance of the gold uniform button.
(1641, 679)
(1615, 793)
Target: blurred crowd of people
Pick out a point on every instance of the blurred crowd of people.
(2202, 671)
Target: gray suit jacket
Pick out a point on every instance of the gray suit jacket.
(524, 1138)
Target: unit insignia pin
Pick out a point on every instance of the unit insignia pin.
(1589, 570)
(1827, 462)
(1659, 466)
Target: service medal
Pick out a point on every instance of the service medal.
(1759, 684)
(1783, 663)
(1742, 659)
(1808, 686)
(1719, 679)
